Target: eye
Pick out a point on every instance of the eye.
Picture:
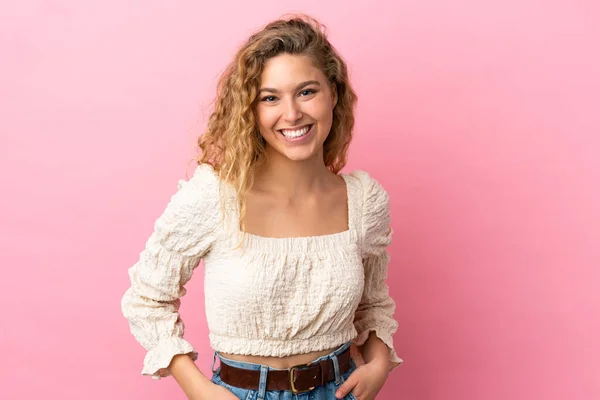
(307, 92)
(268, 99)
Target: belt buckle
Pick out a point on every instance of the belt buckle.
(293, 387)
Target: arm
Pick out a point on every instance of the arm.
(181, 236)
(187, 375)
(194, 384)
(374, 318)
(375, 350)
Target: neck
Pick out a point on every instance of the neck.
(290, 178)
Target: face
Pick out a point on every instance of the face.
(295, 107)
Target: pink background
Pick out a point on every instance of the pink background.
(481, 118)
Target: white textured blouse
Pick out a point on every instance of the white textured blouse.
(270, 296)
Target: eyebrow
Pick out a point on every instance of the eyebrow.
(303, 84)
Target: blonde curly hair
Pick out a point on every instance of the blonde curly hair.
(232, 143)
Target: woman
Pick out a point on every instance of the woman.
(294, 252)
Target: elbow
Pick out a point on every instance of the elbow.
(128, 304)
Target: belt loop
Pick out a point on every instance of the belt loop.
(336, 368)
(262, 384)
(212, 367)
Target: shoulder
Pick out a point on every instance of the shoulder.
(375, 212)
(204, 177)
(373, 195)
(199, 194)
(193, 212)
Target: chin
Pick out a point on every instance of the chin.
(298, 153)
(300, 156)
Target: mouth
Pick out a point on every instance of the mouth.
(296, 133)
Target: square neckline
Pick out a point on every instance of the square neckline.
(346, 236)
(350, 220)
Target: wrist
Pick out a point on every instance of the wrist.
(201, 390)
(194, 384)
(381, 364)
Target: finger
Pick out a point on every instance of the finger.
(345, 388)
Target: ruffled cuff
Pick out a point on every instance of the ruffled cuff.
(159, 358)
(363, 335)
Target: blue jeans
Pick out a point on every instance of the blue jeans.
(323, 392)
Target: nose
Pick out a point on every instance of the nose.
(292, 112)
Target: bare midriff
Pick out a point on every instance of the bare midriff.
(279, 362)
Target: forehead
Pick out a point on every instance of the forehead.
(287, 70)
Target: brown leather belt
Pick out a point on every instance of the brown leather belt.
(298, 379)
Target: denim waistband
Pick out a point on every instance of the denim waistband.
(254, 366)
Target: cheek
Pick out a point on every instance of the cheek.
(320, 109)
(266, 117)
(323, 115)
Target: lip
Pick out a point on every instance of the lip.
(294, 129)
(301, 139)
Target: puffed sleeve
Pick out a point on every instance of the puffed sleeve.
(376, 309)
(182, 235)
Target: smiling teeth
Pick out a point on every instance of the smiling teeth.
(295, 134)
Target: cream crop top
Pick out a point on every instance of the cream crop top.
(271, 296)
